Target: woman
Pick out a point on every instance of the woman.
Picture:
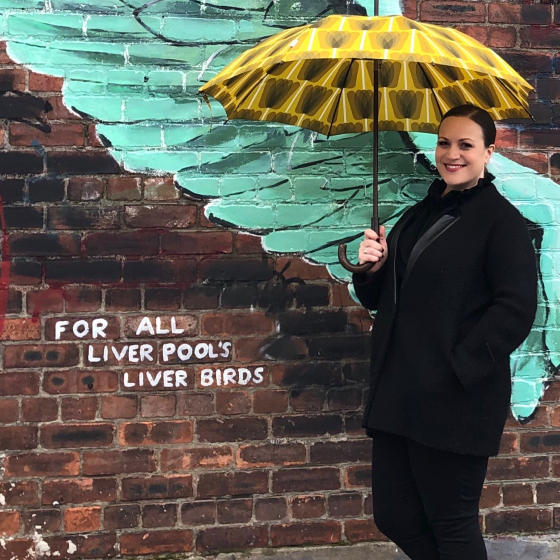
(455, 289)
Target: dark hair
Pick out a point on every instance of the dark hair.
(481, 117)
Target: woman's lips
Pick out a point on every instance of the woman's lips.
(453, 168)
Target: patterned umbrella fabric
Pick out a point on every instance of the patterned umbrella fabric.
(320, 77)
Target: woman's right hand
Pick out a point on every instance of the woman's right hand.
(373, 249)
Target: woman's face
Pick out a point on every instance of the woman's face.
(460, 152)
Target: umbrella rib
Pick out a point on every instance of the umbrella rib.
(433, 91)
(340, 95)
(506, 86)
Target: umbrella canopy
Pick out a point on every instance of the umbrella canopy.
(321, 77)
(346, 74)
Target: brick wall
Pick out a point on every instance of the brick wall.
(167, 384)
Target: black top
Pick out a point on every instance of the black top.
(441, 344)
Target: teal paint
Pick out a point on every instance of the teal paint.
(138, 77)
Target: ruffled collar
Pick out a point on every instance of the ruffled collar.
(455, 198)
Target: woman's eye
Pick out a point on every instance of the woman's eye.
(467, 146)
(442, 143)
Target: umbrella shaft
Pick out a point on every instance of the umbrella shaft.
(375, 181)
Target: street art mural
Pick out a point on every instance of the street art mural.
(140, 67)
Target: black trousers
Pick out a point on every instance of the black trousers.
(426, 500)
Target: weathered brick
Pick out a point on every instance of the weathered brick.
(361, 530)
(308, 507)
(162, 326)
(238, 269)
(155, 433)
(518, 494)
(160, 188)
(39, 410)
(188, 458)
(159, 515)
(160, 216)
(540, 442)
(102, 271)
(18, 437)
(45, 301)
(352, 451)
(538, 14)
(235, 511)
(490, 497)
(234, 538)
(269, 402)
(348, 504)
(358, 476)
(81, 163)
(84, 189)
(84, 408)
(452, 11)
(82, 519)
(9, 411)
(63, 134)
(537, 37)
(271, 509)
(548, 492)
(44, 244)
(15, 162)
(122, 516)
(79, 491)
(66, 382)
(299, 534)
(198, 513)
(238, 323)
(122, 243)
(42, 82)
(125, 461)
(195, 404)
(82, 299)
(349, 398)
(93, 434)
(509, 443)
(162, 299)
(157, 487)
(305, 479)
(240, 483)
(307, 400)
(82, 217)
(514, 521)
(160, 270)
(199, 243)
(41, 355)
(233, 402)
(124, 188)
(12, 79)
(9, 522)
(42, 464)
(49, 520)
(216, 430)
(97, 545)
(268, 455)
(120, 299)
(303, 375)
(11, 190)
(158, 405)
(306, 426)
(103, 327)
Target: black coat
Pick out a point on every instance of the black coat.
(441, 342)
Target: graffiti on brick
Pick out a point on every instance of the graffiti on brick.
(135, 68)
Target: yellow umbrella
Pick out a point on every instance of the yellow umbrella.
(346, 74)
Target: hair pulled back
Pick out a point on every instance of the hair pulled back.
(481, 117)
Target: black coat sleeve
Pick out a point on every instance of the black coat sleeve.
(511, 270)
(368, 286)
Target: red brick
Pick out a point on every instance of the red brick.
(199, 243)
(517, 494)
(509, 443)
(271, 509)
(296, 268)
(43, 82)
(39, 410)
(231, 375)
(67, 382)
(490, 496)
(125, 461)
(59, 135)
(540, 37)
(537, 161)
(521, 520)
(233, 402)
(188, 458)
(159, 515)
(358, 476)
(237, 323)
(160, 216)
(216, 430)
(452, 12)
(157, 378)
(305, 480)
(157, 405)
(93, 434)
(549, 88)
(84, 408)
(155, 433)
(20, 493)
(526, 14)
(217, 539)
(41, 355)
(82, 299)
(9, 523)
(122, 243)
(535, 442)
(160, 188)
(122, 516)
(162, 326)
(93, 138)
(17, 548)
(306, 426)
(269, 402)
(239, 483)
(506, 138)
(360, 530)
(195, 404)
(235, 511)
(517, 468)
(20, 329)
(308, 507)
(307, 400)
(82, 519)
(85, 189)
(122, 300)
(163, 299)
(491, 36)
(49, 520)
(345, 505)
(13, 79)
(98, 545)
(100, 328)
(198, 513)
(43, 464)
(157, 487)
(272, 454)
(248, 244)
(79, 491)
(124, 188)
(347, 398)
(299, 534)
(113, 406)
(18, 437)
(156, 542)
(548, 492)
(9, 411)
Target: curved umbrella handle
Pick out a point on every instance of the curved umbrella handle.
(356, 268)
